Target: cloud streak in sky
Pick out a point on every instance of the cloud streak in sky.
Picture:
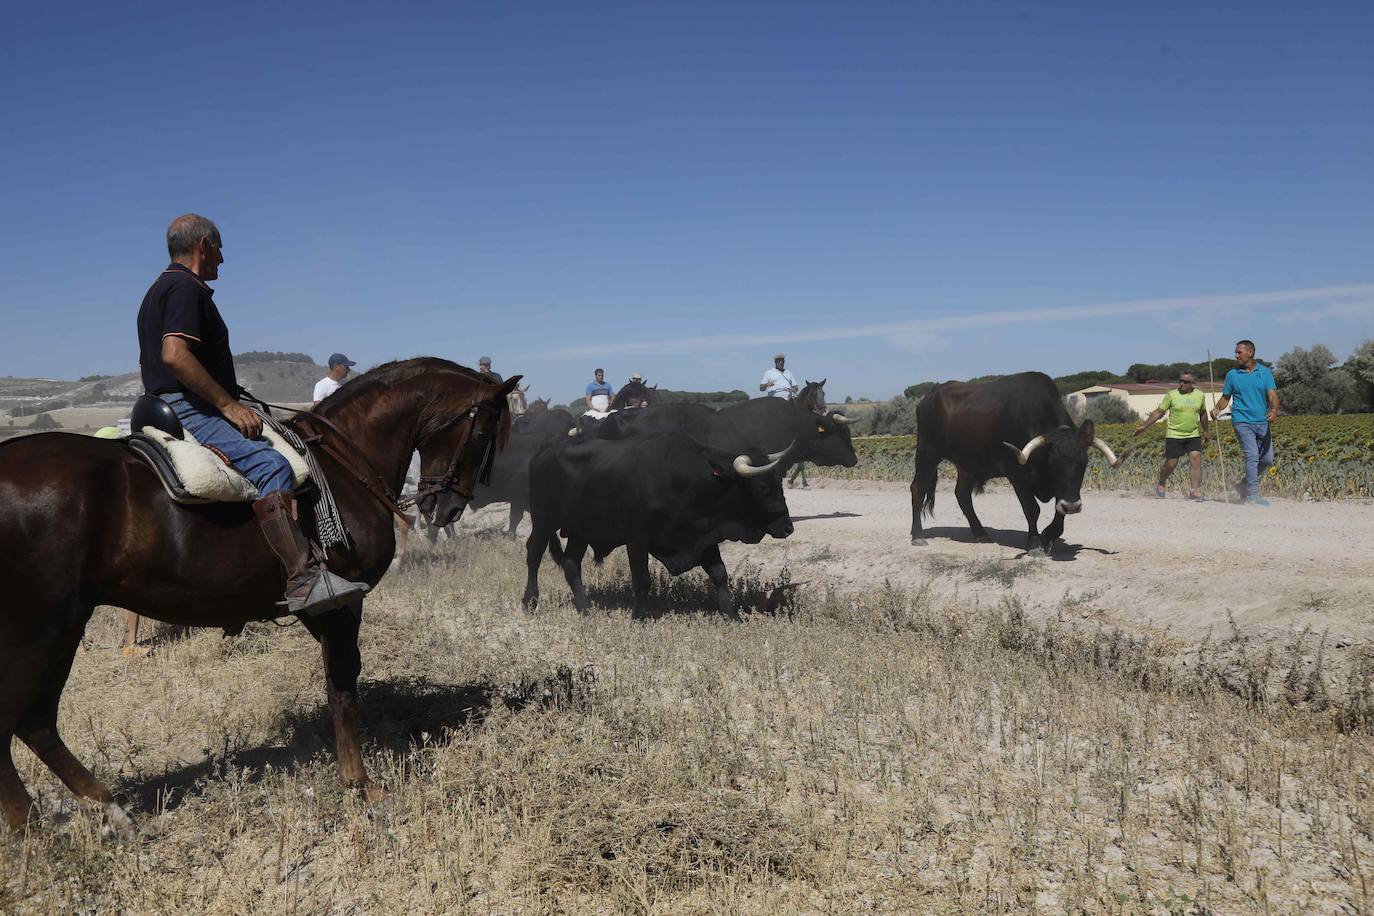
(1321, 300)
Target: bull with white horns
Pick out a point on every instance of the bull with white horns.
(978, 426)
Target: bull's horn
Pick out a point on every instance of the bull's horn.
(1106, 450)
(745, 468)
(574, 431)
(1023, 454)
(775, 456)
(841, 418)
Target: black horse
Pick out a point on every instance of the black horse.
(812, 398)
(84, 522)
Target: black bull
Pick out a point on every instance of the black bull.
(1015, 427)
(662, 494)
(768, 424)
(510, 474)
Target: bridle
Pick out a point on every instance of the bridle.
(373, 481)
(451, 481)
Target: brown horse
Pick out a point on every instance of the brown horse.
(84, 522)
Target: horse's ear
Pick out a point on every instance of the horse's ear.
(823, 381)
(510, 385)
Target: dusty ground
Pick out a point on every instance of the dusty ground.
(872, 750)
(1128, 561)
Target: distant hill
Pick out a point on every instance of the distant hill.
(279, 381)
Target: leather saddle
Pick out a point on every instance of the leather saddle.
(191, 473)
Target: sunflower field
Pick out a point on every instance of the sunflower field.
(1316, 457)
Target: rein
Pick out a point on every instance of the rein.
(373, 481)
(449, 481)
(369, 477)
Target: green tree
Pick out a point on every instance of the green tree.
(1360, 365)
(1079, 380)
(917, 391)
(45, 421)
(1309, 383)
(1107, 409)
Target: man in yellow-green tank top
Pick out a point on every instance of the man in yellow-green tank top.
(1186, 408)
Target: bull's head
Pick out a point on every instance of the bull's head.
(759, 483)
(1061, 460)
(831, 444)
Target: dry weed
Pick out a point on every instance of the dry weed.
(859, 751)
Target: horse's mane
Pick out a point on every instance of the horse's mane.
(376, 381)
(636, 391)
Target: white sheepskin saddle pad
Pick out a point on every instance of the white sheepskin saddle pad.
(205, 478)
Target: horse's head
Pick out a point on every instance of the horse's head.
(634, 394)
(460, 437)
(516, 401)
(812, 397)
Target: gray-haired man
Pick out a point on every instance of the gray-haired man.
(184, 357)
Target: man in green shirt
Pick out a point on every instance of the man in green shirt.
(1187, 410)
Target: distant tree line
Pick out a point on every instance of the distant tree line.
(29, 410)
(1309, 382)
(270, 356)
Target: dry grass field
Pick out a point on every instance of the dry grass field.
(863, 750)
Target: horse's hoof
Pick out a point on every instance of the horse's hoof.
(918, 542)
(117, 824)
(1037, 553)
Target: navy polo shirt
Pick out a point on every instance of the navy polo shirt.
(180, 303)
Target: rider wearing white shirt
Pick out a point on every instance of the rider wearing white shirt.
(778, 382)
(338, 371)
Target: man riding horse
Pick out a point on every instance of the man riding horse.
(185, 360)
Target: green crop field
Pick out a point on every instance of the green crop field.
(1317, 457)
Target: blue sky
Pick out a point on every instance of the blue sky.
(889, 192)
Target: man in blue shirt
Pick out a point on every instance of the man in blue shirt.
(1256, 397)
(599, 394)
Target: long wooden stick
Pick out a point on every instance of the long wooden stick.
(1216, 427)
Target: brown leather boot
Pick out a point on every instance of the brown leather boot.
(310, 588)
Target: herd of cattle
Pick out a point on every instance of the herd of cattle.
(673, 481)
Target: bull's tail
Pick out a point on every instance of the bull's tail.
(556, 548)
(927, 475)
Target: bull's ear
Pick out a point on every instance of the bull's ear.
(1087, 433)
(718, 469)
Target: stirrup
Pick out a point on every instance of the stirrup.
(327, 592)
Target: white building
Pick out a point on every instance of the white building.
(1141, 398)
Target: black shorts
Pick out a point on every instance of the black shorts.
(1177, 448)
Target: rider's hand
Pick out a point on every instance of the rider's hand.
(244, 420)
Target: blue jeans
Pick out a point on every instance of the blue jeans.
(1257, 445)
(255, 459)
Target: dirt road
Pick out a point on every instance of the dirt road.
(1127, 561)
(1130, 561)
